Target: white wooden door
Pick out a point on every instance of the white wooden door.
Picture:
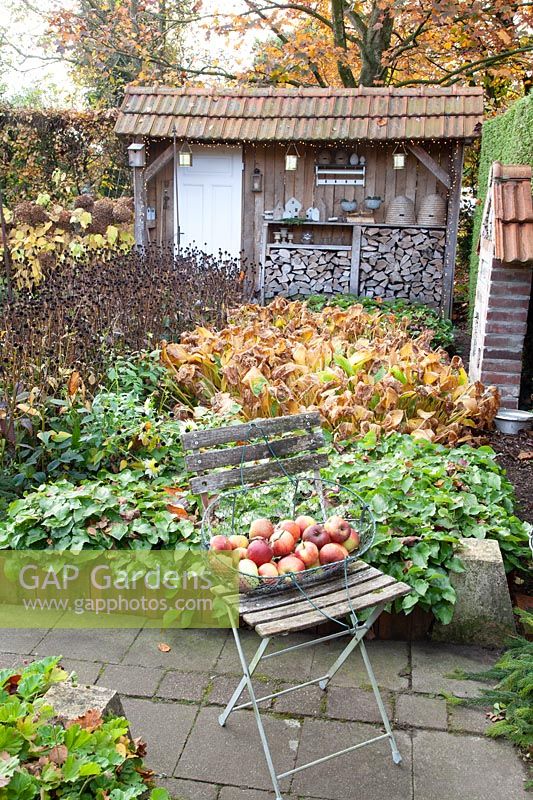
(209, 200)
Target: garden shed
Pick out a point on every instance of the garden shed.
(374, 172)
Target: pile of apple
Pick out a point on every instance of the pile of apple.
(291, 546)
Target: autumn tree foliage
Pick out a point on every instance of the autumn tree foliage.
(111, 43)
(378, 42)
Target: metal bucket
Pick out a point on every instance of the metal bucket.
(510, 420)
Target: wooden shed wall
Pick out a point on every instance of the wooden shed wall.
(415, 181)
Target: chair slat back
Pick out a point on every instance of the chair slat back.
(293, 439)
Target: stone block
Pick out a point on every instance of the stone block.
(70, 702)
(483, 613)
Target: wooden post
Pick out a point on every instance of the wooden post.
(140, 206)
(355, 259)
(454, 204)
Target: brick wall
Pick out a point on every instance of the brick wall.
(500, 323)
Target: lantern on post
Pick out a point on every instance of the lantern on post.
(136, 155)
(185, 155)
(137, 161)
(399, 158)
(291, 158)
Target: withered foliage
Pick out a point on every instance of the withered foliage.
(360, 369)
(83, 312)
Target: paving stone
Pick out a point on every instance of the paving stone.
(188, 790)
(223, 686)
(21, 641)
(357, 705)
(390, 661)
(233, 755)
(469, 720)
(163, 726)
(131, 680)
(190, 649)
(302, 702)
(110, 644)
(8, 660)
(183, 685)
(421, 711)
(370, 771)
(232, 793)
(87, 671)
(293, 665)
(432, 662)
(447, 767)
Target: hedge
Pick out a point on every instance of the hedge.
(507, 138)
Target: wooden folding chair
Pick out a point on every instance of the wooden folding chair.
(293, 442)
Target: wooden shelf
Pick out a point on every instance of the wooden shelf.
(359, 223)
(296, 246)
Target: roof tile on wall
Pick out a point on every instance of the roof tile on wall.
(513, 212)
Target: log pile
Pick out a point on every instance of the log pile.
(402, 262)
(300, 272)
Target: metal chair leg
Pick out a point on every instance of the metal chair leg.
(396, 757)
(264, 741)
(240, 688)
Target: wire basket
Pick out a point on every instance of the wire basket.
(233, 511)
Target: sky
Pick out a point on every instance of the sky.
(25, 31)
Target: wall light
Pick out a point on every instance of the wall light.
(185, 155)
(291, 158)
(257, 180)
(399, 158)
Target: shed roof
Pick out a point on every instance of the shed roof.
(268, 115)
(513, 212)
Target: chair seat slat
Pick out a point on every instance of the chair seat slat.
(312, 618)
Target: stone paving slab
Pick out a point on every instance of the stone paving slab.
(190, 649)
(292, 666)
(188, 790)
(22, 641)
(366, 773)
(87, 671)
(233, 755)
(469, 720)
(357, 705)
(308, 701)
(130, 680)
(431, 663)
(184, 685)
(163, 726)
(109, 645)
(421, 712)
(390, 661)
(448, 767)
(223, 686)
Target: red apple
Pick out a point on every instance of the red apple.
(332, 552)
(261, 528)
(316, 534)
(338, 529)
(304, 522)
(353, 541)
(220, 542)
(290, 564)
(292, 527)
(248, 577)
(259, 551)
(307, 552)
(270, 572)
(282, 543)
(237, 540)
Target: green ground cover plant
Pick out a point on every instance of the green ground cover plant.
(43, 757)
(420, 317)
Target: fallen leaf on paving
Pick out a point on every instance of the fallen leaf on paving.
(525, 455)
(165, 648)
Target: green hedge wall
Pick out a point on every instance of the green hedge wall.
(509, 139)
